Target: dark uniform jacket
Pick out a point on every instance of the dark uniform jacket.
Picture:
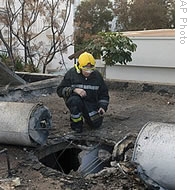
(94, 85)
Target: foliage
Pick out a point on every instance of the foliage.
(144, 14)
(131, 15)
(171, 13)
(3, 57)
(83, 44)
(31, 68)
(91, 17)
(19, 64)
(112, 47)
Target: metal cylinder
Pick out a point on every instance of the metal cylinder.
(24, 124)
(154, 153)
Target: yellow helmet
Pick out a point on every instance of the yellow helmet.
(85, 59)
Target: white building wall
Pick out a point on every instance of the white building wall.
(155, 75)
(153, 61)
(68, 32)
(154, 51)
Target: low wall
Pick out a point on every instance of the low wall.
(153, 61)
(49, 86)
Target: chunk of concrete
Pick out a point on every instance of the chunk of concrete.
(8, 77)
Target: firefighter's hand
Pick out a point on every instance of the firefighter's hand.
(101, 111)
(80, 92)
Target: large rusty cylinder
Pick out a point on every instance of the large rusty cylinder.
(154, 153)
(25, 124)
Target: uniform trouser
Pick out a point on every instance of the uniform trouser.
(79, 109)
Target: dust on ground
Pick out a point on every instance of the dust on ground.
(127, 113)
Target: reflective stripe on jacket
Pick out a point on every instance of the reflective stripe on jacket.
(94, 85)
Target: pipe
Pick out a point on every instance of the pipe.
(25, 124)
(154, 153)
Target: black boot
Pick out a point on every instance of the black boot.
(77, 126)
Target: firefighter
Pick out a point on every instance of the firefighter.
(85, 93)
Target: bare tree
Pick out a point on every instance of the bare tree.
(7, 19)
(28, 21)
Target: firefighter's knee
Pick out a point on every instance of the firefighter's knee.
(74, 101)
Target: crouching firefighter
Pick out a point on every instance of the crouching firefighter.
(85, 93)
